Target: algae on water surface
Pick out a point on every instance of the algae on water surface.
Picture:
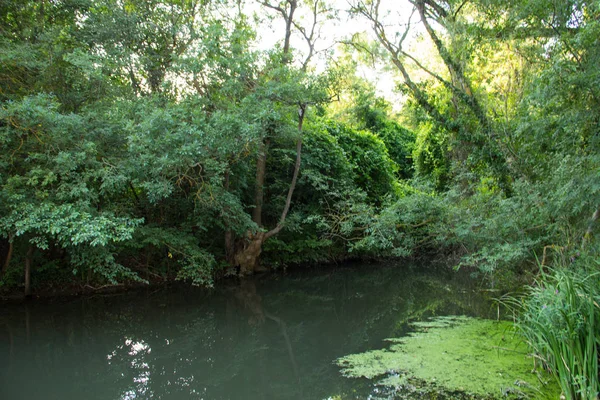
(477, 356)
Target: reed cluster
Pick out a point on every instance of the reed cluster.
(560, 320)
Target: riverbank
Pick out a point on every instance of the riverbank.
(152, 282)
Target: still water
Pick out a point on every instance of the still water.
(270, 337)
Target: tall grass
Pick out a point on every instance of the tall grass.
(560, 320)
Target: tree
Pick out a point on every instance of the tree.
(470, 124)
(247, 256)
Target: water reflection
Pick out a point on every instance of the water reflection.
(273, 338)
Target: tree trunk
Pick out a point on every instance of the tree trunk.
(289, 20)
(229, 234)
(230, 247)
(8, 255)
(248, 256)
(261, 168)
(28, 271)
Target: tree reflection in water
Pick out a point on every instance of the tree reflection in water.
(269, 338)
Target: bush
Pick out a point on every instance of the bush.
(373, 170)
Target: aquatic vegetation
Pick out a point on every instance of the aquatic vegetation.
(560, 320)
(480, 357)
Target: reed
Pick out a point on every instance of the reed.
(560, 320)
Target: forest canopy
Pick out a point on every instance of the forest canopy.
(159, 139)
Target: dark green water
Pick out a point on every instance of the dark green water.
(272, 337)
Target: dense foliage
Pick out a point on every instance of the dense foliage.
(153, 137)
(133, 134)
(131, 127)
(156, 139)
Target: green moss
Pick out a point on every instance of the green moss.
(464, 354)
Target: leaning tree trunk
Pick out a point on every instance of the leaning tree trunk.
(259, 194)
(248, 252)
(248, 255)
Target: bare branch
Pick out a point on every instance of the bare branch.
(408, 25)
(459, 8)
(362, 48)
(309, 37)
(276, 8)
(288, 16)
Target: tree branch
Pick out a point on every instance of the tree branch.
(288, 200)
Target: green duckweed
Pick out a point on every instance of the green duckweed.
(480, 357)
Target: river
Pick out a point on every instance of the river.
(270, 337)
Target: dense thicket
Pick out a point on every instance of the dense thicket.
(507, 159)
(507, 123)
(149, 139)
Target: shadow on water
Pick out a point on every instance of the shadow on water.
(274, 337)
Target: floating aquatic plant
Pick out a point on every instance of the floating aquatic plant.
(468, 355)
